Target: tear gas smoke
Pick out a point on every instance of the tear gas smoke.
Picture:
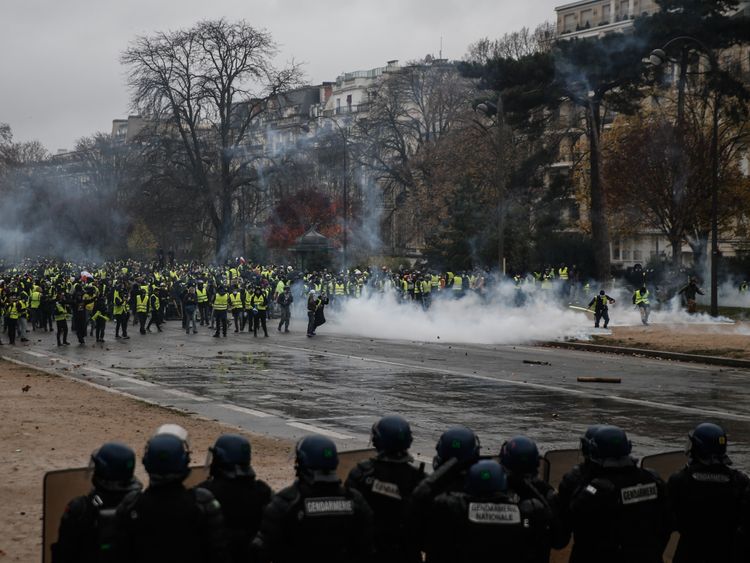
(497, 319)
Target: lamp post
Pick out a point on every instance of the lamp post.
(496, 109)
(659, 57)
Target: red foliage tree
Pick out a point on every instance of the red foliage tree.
(296, 213)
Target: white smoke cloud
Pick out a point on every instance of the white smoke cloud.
(545, 316)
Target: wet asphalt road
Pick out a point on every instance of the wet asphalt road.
(288, 385)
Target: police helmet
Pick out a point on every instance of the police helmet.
(230, 457)
(460, 443)
(486, 477)
(520, 456)
(316, 459)
(166, 458)
(586, 440)
(708, 444)
(114, 465)
(391, 434)
(610, 447)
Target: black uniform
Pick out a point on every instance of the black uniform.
(549, 530)
(170, 523)
(619, 515)
(242, 501)
(316, 523)
(705, 501)
(500, 527)
(87, 529)
(387, 482)
(448, 477)
(601, 309)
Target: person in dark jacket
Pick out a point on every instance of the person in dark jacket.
(705, 498)
(86, 532)
(316, 303)
(168, 522)
(387, 482)
(619, 513)
(285, 300)
(689, 293)
(601, 305)
(316, 519)
(241, 495)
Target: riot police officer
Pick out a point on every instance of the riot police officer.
(572, 481)
(457, 449)
(316, 519)
(519, 457)
(619, 512)
(242, 497)
(485, 521)
(705, 498)
(387, 482)
(87, 526)
(168, 522)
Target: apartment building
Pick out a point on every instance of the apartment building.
(594, 18)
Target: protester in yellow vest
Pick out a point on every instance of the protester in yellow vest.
(220, 306)
(641, 300)
(259, 305)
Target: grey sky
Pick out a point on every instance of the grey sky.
(60, 76)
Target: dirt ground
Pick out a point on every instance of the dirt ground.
(729, 340)
(56, 423)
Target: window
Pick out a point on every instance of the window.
(616, 250)
(637, 255)
(570, 22)
(587, 17)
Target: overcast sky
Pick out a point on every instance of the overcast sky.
(60, 76)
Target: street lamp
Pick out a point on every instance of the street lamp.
(495, 109)
(657, 58)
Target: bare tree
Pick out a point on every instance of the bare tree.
(514, 45)
(413, 110)
(207, 86)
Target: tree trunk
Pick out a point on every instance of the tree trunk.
(224, 229)
(676, 244)
(598, 210)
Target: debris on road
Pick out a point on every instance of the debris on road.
(536, 363)
(599, 380)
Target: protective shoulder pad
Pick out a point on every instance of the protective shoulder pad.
(76, 508)
(289, 496)
(206, 500)
(129, 502)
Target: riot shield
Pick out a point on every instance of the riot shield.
(60, 487)
(558, 463)
(665, 464)
(349, 460)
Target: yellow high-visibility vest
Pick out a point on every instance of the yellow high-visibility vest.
(221, 302)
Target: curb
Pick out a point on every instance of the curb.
(659, 354)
